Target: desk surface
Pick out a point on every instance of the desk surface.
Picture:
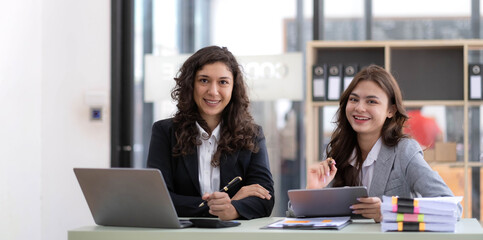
(361, 229)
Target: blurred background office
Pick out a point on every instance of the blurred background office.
(73, 77)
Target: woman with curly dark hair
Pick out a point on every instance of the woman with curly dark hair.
(212, 139)
(369, 147)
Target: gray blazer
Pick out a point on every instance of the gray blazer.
(402, 171)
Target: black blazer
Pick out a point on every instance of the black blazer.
(181, 174)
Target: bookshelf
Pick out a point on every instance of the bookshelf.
(429, 73)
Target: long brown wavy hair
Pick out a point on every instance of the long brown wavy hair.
(238, 130)
(344, 138)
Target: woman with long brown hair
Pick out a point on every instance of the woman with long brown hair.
(212, 139)
(368, 147)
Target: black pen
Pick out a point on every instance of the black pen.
(225, 188)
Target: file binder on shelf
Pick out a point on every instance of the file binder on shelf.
(319, 73)
(350, 70)
(474, 83)
(334, 82)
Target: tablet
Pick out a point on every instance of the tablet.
(325, 202)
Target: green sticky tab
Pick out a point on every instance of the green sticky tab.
(400, 217)
(420, 217)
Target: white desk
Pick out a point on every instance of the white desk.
(250, 230)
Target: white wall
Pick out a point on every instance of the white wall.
(52, 53)
(76, 59)
(20, 119)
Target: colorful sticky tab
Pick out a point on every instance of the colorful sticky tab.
(422, 227)
(295, 221)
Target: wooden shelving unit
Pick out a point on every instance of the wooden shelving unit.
(429, 73)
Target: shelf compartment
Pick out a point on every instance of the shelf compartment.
(429, 73)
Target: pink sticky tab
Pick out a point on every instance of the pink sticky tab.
(394, 208)
(416, 210)
(411, 217)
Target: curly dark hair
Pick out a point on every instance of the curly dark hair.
(238, 130)
(344, 138)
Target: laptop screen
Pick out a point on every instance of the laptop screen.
(128, 197)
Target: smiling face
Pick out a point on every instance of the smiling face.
(367, 109)
(213, 87)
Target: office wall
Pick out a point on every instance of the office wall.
(52, 53)
(75, 60)
(20, 120)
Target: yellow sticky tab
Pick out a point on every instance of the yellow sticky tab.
(422, 226)
(416, 203)
(326, 220)
(400, 226)
(394, 200)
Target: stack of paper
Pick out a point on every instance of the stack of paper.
(436, 214)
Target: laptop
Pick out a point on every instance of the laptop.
(128, 197)
(326, 202)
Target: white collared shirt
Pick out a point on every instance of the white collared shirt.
(208, 175)
(368, 164)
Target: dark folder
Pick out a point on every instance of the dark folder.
(319, 73)
(334, 82)
(474, 81)
(349, 72)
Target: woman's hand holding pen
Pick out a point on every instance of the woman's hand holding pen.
(252, 190)
(220, 205)
(369, 207)
(321, 174)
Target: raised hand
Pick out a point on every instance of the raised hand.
(321, 174)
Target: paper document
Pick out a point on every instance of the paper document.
(311, 223)
(429, 205)
(421, 227)
(408, 217)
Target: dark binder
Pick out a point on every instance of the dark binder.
(474, 81)
(334, 82)
(319, 73)
(350, 70)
